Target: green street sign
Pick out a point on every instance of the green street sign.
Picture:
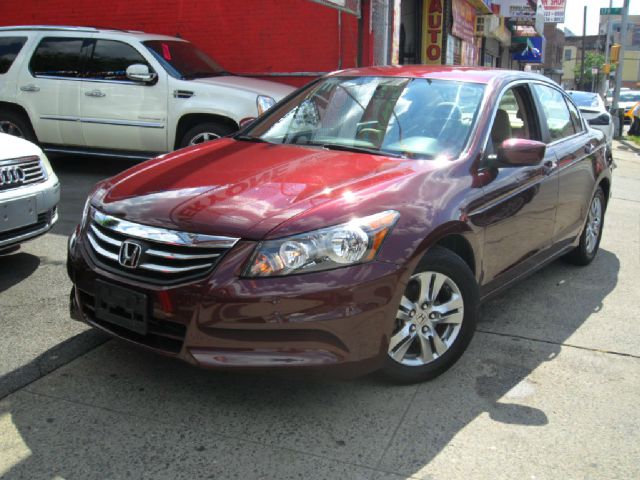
(611, 11)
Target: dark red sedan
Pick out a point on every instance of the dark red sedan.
(358, 224)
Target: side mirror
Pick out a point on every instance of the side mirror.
(140, 73)
(520, 152)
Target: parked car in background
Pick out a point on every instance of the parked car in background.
(628, 99)
(29, 193)
(357, 224)
(595, 113)
(122, 93)
(609, 97)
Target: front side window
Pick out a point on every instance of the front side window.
(57, 57)
(557, 113)
(412, 117)
(9, 49)
(514, 118)
(183, 59)
(110, 59)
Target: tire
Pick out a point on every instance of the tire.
(591, 234)
(16, 124)
(452, 316)
(204, 132)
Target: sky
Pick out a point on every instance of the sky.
(575, 10)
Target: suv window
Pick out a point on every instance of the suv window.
(555, 108)
(57, 57)
(110, 60)
(9, 49)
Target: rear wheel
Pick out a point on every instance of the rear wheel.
(16, 124)
(204, 132)
(436, 318)
(589, 244)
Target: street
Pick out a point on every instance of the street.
(548, 388)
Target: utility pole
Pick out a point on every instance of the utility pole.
(584, 34)
(620, 65)
(606, 48)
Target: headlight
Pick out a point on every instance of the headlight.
(602, 119)
(85, 212)
(348, 244)
(264, 103)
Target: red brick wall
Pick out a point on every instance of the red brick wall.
(242, 35)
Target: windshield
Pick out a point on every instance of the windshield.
(584, 99)
(416, 118)
(630, 97)
(183, 59)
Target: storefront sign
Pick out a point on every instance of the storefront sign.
(529, 50)
(554, 11)
(349, 6)
(433, 23)
(518, 9)
(464, 20)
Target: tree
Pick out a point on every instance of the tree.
(584, 80)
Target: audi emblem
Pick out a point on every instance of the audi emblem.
(11, 175)
(130, 253)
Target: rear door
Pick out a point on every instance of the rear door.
(567, 137)
(118, 113)
(49, 89)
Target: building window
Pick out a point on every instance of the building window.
(567, 54)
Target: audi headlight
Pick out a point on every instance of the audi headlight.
(348, 244)
(264, 103)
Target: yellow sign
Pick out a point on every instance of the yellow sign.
(433, 23)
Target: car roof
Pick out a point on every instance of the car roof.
(142, 36)
(443, 72)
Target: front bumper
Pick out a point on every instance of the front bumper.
(341, 318)
(47, 196)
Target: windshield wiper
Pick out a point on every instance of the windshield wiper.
(249, 138)
(353, 148)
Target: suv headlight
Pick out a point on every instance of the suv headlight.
(347, 244)
(264, 103)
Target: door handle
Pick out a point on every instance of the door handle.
(550, 166)
(30, 88)
(95, 93)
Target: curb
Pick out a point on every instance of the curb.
(51, 360)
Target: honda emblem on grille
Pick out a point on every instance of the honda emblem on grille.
(130, 253)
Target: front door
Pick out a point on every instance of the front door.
(520, 207)
(118, 113)
(49, 90)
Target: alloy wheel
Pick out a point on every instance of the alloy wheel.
(428, 320)
(594, 223)
(203, 137)
(10, 128)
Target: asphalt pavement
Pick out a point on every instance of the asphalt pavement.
(547, 389)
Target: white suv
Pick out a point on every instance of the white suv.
(111, 92)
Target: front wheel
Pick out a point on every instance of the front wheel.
(204, 132)
(435, 320)
(591, 235)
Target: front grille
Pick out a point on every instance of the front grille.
(43, 220)
(161, 334)
(158, 262)
(18, 172)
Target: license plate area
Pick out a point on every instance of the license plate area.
(18, 213)
(123, 307)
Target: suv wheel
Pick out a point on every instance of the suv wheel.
(204, 132)
(589, 244)
(436, 318)
(15, 124)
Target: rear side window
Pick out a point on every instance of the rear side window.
(575, 116)
(57, 57)
(9, 49)
(110, 60)
(559, 121)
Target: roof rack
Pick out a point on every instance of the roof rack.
(49, 27)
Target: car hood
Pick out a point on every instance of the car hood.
(244, 189)
(13, 147)
(260, 87)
